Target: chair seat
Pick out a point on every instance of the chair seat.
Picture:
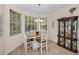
(29, 40)
(39, 40)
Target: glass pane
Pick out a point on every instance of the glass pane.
(68, 43)
(62, 28)
(14, 23)
(75, 28)
(61, 41)
(74, 45)
(43, 24)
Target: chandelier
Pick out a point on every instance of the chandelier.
(39, 18)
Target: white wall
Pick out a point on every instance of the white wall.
(1, 37)
(12, 42)
(63, 12)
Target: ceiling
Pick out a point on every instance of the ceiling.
(44, 8)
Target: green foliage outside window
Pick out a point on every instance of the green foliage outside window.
(29, 23)
(14, 23)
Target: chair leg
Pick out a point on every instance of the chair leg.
(25, 48)
(41, 49)
(46, 47)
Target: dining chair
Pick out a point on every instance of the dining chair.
(43, 42)
(28, 42)
(30, 39)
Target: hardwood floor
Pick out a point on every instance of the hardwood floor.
(53, 49)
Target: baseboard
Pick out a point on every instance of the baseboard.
(12, 49)
(52, 41)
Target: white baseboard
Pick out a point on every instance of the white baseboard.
(13, 48)
(52, 41)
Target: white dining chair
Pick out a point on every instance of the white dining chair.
(43, 42)
(29, 40)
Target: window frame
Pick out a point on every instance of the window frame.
(15, 23)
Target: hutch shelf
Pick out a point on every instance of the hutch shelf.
(67, 33)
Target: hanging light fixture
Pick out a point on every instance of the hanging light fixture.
(39, 11)
(39, 18)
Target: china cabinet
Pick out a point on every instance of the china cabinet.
(67, 32)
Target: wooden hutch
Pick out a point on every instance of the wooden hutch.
(67, 33)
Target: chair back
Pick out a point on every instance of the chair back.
(30, 33)
(25, 37)
(44, 36)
